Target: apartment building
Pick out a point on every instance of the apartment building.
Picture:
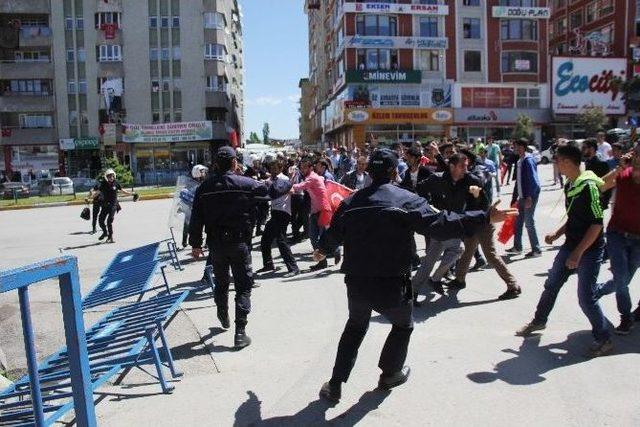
(158, 83)
(591, 39)
(411, 70)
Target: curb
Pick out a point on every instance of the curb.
(81, 202)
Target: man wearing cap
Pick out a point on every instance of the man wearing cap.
(224, 205)
(376, 226)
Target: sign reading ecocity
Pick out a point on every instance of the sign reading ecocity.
(409, 9)
(168, 132)
(397, 42)
(580, 83)
(521, 12)
(384, 76)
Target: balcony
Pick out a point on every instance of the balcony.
(215, 68)
(102, 38)
(17, 136)
(16, 102)
(216, 99)
(35, 37)
(10, 70)
(215, 36)
(25, 6)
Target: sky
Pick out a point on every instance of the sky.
(275, 59)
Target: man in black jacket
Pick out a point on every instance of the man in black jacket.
(415, 173)
(376, 225)
(358, 178)
(593, 163)
(224, 205)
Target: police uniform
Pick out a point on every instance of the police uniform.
(224, 205)
(376, 226)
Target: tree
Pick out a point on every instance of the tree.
(592, 119)
(265, 133)
(253, 138)
(523, 128)
(123, 173)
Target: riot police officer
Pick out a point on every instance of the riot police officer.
(224, 205)
(376, 226)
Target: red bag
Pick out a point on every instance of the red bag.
(508, 229)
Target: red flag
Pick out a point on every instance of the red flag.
(336, 193)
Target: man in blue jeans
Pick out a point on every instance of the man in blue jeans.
(581, 252)
(623, 236)
(526, 193)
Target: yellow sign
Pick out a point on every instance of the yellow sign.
(383, 116)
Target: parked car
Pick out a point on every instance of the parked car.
(83, 184)
(534, 153)
(56, 186)
(8, 188)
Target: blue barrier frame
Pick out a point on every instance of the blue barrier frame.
(66, 270)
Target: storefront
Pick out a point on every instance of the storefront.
(382, 126)
(160, 153)
(473, 123)
(81, 157)
(31, 162)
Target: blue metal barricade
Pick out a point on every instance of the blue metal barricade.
(66, 270)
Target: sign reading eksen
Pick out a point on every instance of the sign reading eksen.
(409, 9)
(521, 12)
(580, 83)
(168, 132)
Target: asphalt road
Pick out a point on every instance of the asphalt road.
(468, 368)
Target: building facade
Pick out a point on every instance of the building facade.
(158, 83)
(410, 70)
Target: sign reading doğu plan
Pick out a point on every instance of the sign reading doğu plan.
(168, 132)
(384, 76)
(580, 83)
(521, 12)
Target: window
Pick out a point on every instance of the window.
(429, 60)
(177, 115)
(527, 98)
(166, 85)
(153, 54)
(82, 86)
(216, 84)
(82, 56)
(31, 56)
(164, 22)
(519, 3)
(71, 55)
(377, 59)
(217, 52)
(606, 7)
(428, 27)
(80, 23)
(103, 18)
(175, 22)
(177, 53)
(518, 29)
(155, 117)
(167, 117)
(155, 85)
(519, 62)
(29, 87)
(376, 25)
(472, 61)
(562, 26)
(215, 20)
(32, 121)
(109, 53)
(165, 53)
(68, 23)
(591, 12)
(575, 20)
(153, 22)
(72, 88)
(471, 2)
(471, 28)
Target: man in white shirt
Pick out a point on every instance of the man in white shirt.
(276, 227)
(604, 148)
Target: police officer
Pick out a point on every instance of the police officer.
(224, 205)
(376, 226)
(108, 194)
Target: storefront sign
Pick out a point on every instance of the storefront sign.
(579, 83)
(487, 97)
(109, 134)
(384, 76)
(168, 132)
(409, 9)
(521, 12)
(375, 116)
(67, 144)
(357, 104)
(396, 42)
(498, 115)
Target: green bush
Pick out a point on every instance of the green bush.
(123, 173)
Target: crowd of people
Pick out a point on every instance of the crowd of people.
(441, 190)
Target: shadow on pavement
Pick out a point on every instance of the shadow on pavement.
(249, 413)
(88, 245)
(533, 361)
(80, 233)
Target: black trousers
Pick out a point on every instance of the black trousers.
(94, 217)
(237, 256)
(107, 212)
(389, 296)
(300, 208)
(276, 229)
(262, 213)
